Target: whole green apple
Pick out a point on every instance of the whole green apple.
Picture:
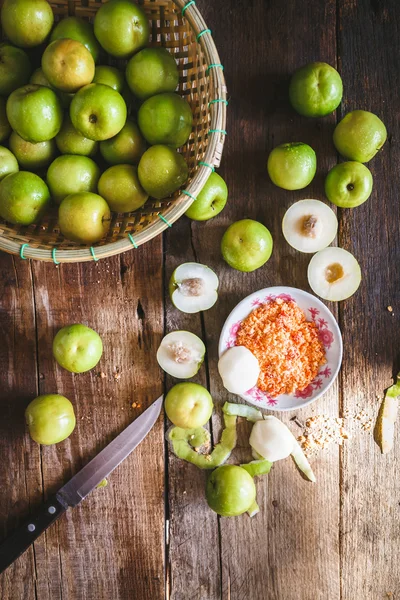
(5, 127)
(84, 218)
(120, 187)
(27, 23)
(77, 348)
(15, 68)
(359, 135)
(32, 156)
(348, 184)
(98, 112)
(39, 78)
(211, 200)
(246, 245)
(188, 405)
(292, 166)
(121, 27)
(316, 90)
(230, 491)
(127, 147)
(162, 171)
(24, 197)
(70, 141)
(110, 76)
(50, 419)
(8, 163)
(68, 65)
(77, 29)
(70, 174)
(35, 113)
(152, 71)
(166, 119)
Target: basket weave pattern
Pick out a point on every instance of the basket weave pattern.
(200, 85)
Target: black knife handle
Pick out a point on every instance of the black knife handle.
(21, 538)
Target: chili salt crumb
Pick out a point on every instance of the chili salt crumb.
(286, 345)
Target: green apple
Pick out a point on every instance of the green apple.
(24, 197)
(8, 163)
(68, 65)
(50, 419)
(162, 171)
(188, 405)
(152, 71)
(166, 119)
(98, 112)
(121, 27)
(77, 348)
(211, 200)
(121, 189)
(246, 245)
(84, 218)
(26, 23)
(32, 156)
(126, 147)
(230, 491)
(77, 29)
(359, 135)
(316, 90)
(15, 69)
(5, 127)
(348, 184)
(110, 76)
(35, 113)
(292, 166)
(70, 174)
(70, 141)
(39, 78)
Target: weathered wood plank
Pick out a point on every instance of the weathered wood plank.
(291, 549)
(112, 546)
(194, 553)
(370, 494)
(20, 473)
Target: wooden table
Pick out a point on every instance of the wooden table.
(149, 535)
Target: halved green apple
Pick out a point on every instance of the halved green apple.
(193, 287)
(181, 354)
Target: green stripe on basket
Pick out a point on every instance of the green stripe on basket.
(92, 252)
(21, 251)
(189, 194)
(218, 100)
(184, 9)
(199, 35)
(165, 220)
(204, 164)
(130, 237)
(217, 131)
(214, 66)
(53, 256)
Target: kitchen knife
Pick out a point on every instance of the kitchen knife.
(79, 486)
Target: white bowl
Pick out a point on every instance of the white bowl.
(330, 336)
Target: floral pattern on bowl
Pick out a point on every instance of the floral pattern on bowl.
(329, 334)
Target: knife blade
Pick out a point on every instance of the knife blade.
(79, 486)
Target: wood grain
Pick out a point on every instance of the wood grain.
(370, 493)
(111, 546)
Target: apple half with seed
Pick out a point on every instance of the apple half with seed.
(181, 354)
(334, 274)
(193, 287)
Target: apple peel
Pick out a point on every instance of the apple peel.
(385, 422)
(258, 467)
(254, 508)
(242, 410)
(183, 440)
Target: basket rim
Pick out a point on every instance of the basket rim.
(184, 200)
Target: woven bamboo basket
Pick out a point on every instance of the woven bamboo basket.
(178, 26)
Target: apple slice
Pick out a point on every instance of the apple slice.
(309, 225)
(193, 287)
(181, 354)
(334, 274)
(239, 369)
